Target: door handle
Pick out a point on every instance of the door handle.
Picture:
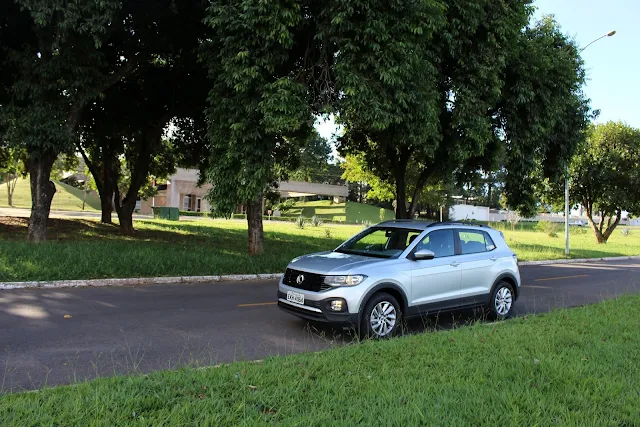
(455, 264)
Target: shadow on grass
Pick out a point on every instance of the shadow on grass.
(82, 249)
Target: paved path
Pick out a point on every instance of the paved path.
(25, 213)
(158, 327)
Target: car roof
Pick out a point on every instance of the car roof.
(423, 225)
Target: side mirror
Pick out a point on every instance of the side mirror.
(423, 254)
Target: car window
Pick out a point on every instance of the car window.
(380, 242)
(473, 242)
(440, 242)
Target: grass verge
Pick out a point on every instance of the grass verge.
(85, 249)
(569, 367)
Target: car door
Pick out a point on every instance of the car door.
(435, 283)
(477, 262)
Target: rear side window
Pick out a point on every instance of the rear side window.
(440, 242)
(473, 242)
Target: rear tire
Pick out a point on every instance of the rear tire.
(382, 317)
(501, 302)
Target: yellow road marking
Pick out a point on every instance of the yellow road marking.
(257, 304)
(560, 278)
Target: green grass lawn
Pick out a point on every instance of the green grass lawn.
(570, 367)
(349, 212)
(85, 249)
(67, 198)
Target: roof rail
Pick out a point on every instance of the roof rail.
(458, 223)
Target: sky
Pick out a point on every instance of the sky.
(612, 64)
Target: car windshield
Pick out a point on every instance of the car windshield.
(380, 242)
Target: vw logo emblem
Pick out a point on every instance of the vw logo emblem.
(300, 279)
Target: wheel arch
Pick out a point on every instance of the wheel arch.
(509, 278)
(392, 289)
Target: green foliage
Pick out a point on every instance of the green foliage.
(327, 233)
(286, 205)
(549, 228)
(313, 160)
(544, 110)
(65, 163)
(316, 221)
(53, 67)
(605, 175)
(356, 170)
(382, 214)
(300, 222)
(258, 113)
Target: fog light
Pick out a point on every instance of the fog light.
(336, 305)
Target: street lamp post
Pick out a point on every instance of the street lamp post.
(566, 178)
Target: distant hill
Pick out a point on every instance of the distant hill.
(67, 198)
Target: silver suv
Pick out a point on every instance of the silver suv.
(400, 269)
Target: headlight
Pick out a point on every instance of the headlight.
(351, 280)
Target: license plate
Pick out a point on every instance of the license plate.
(295, 297)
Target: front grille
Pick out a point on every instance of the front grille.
(310, 281)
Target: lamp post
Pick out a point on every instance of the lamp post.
(566, 178)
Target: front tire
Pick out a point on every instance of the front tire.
(382, 317)
(502, 299)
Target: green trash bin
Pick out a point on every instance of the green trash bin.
(168, 213)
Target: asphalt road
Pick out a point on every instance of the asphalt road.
(139, 329)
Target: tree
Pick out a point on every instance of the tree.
(490, 88)
(12, 167)
(130, 121)
(52, 67)
(313, 159)
(387, 76)
(605, 176)
(542, 113)
(356, 171)
(260, 110)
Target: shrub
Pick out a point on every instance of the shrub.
(300, 222)
(327, 233)
(316, 221)
(239, 216)
(626, 232)
(382, 214)
(366, 224)
(548, 227)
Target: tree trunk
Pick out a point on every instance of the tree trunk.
(489, 188)
(125, 217)
(42, 191)
(401, 194)
(106, 205)
(254, 221)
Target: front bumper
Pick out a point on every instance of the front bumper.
(317, 311)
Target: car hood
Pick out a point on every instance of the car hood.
(333, 263)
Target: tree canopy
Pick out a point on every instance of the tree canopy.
(605, 176)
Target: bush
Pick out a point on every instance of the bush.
(382, 214)
(366, 224)
(239, 216)
(285, 206)
(626, 232)
(547, 227)
(300, 222)
(191, 213)
(327, 233)
(316, 221)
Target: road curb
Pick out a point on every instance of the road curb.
(143, 281)
(577, 260)
(137, 281)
